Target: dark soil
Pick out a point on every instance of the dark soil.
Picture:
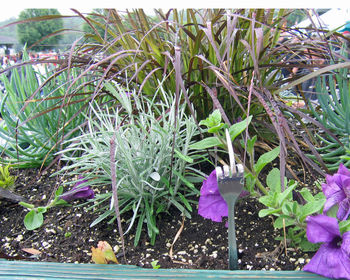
(66, 235)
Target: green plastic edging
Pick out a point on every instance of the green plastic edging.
(24, 270)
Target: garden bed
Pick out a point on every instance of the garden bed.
(66, 236)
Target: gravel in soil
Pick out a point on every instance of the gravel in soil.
(66, 235)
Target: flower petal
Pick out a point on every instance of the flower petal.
(210, 185)
(332, 200)
(330, 261)
(344, 210)
(343, 170)
(321, 228)
(345, 246)
(330, 188)
(212, 207)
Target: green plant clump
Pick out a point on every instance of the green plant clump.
(37, 115)
(291, 214)
(152, 157)
(334, 100)
(6, 180)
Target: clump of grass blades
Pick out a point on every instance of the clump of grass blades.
(334, 113)
(152, 157)
(230, 59)
(38, 111)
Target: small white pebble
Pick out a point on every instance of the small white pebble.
(44, 243)
(50, 230)
(19, 237)
(116, 248)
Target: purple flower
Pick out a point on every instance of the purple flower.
(333, 258)
(211, 204)
(78, 192)
(337, 192)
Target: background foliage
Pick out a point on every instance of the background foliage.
(29, 33)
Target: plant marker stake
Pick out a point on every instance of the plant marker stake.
(230, 185)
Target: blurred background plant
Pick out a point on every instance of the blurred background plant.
(153, 159)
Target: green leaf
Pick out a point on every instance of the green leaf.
(214, 119)
(307, 246)
(333, 211)
(344, 226)
(41, 210)
(27, 205)
(288, 207)
(269, 200)
(155, 264)
(250, 144)
(310, 208)
(306, 194)
(59, 191)
(62, 202)
(206, 143)
(139, 228)
(273, 180)
(239, 127)
(266, 212)
(286, 194)
(215, 129)
(288, 221)
(33, 220)
(213, 122)
(184, 180)
(185, 202)
(265, 159)
(184, 157)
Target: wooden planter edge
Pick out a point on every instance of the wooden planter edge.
(27, 270)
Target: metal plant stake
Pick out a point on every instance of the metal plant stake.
(230, 183)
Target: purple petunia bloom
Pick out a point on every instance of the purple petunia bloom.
(333, 258)
(337, 191)
(78, 192)
(211, 204)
